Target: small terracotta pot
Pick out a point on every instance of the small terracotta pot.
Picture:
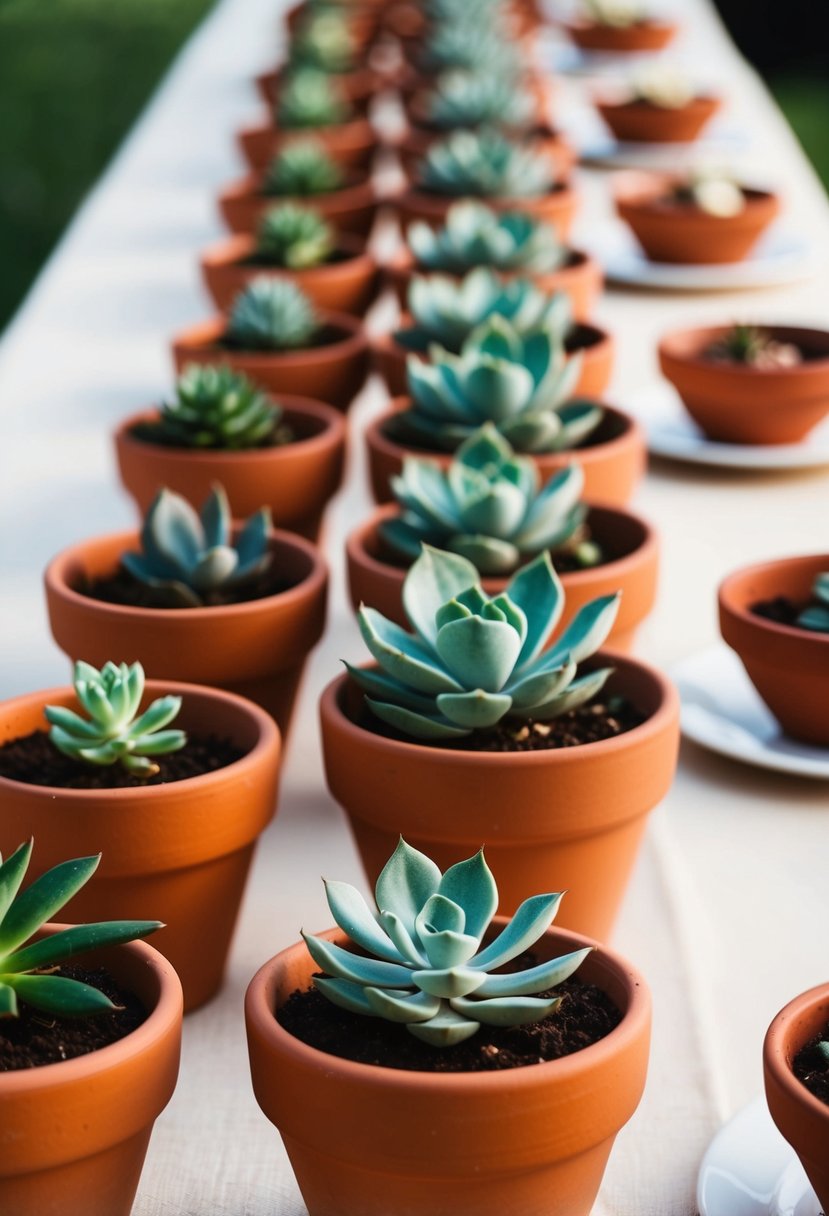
(448, 801)
(613, 463)
(257, 649)
(640, 122)
(334, 372)
(558, 208)
(375, 578)
(352, 143)
(357, 86)
(76, 1132)
(682, 233)
(351, 209)
(643, 36)
(365, 1140)
(788, 666)
(737, 403)
(364, 19)
(801, 1118)
(295, 480)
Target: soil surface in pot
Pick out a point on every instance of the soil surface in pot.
(35, 1038)
(812, 1067)
(155, 433)
(34, 760)
(122, 588)
(335, 258)
(782, 611)
(326, 335)
(585, 1015)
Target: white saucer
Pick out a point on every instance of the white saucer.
(721, 142)
(722, 711)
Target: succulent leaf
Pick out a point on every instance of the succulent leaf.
(215, 407)
(467, 99)
(485, 164)
(294, 237)
(310, 98)
(302, 169)
(816, 615)
(271, 315)
(475, 235)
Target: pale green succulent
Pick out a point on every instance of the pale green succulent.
(451, 12)
(114, 732)
(472, 43)
(485, 164)
(816, 616)
(323, 41)
(28, 968)
(302, 170)
(823, 1048)
(216, 408)
(185, 558)
(271, 314)
(474, 235)
(423, 962)
(621, 14)
(294, 237)
(309, 98)
(489, 507)
(474, 99)
(474, 660)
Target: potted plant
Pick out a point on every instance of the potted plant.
(466, 1084)
(774, 615)
(473, 40)
(619, 27)
(77, 1037)
(196, 600)
(274, 335)
(750, 383)
(177, 811)
(658, 106)
(364, 19)
(474, 727)
(326, 41)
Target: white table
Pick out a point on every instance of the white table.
(727, 912)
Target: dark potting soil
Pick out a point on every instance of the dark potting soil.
(121, 588)
(585, 1015)
(156, 433)
(781, 610)
(335, 258)
(34, 760)
(812, 1067)
(36, 1038)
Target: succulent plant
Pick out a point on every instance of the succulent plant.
(271, 314)
(185, 557)
(488, 507)
(472, 659)
(294, 237)
(713, 191)
(816, 616)
(112, 734)
(27, 968)
(473, 43)
(302, 169)
(474, 235)
(754, 347)
(423, 962)
(472, 99)
(323, 41)
(309, 98)
(453, 12)
(217, 408)
(663, 86)
(621, 14)
(485, 164)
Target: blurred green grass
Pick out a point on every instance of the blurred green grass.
(804, 99)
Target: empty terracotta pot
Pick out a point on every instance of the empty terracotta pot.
(558, 208)
(76, 1132)
(177, 852)
(645, 35)
(738, 403)
(351, 209)
(801, 1118)
(353, 143)
(788, 666)
(364, 1140)
(643, 122)
(358, 86)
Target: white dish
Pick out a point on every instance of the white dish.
(721, 142)
(722, 711)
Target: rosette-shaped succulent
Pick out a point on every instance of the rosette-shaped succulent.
(294, 237)
(816, 616)
(271, 314)
(473, 660)
(485, 164)
(302, 170)
(216, 407)
(424, 963)
(470, 42)
(489, 507)
(472, 99)
(323, 41)
(186, 557)
(310, 99)
(476, 236)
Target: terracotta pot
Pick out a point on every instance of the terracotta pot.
(359, 86)
(351, 209)
(641, 122)
(448, 801)
(76, 1132)
(557, 208)
(376, 578)
(334, 372)
(801, 1118)
(737, 403)
(353, 143)
(788, 666)
(295, 480)
(613, 463)
(364, 19)
(179, 853)
(420, 136)
(257, 649)
(644, 36)
(367, 1141)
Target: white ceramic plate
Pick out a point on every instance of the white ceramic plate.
(722, 711)
(720, 143)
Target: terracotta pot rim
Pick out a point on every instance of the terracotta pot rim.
(651, 23)
(644, 190)
(403, 260)
(596, 340)
(775, 1056)
(729, 604)
(232, 251)
(204, 337)
(250, 187)
(671, 343)
(357, 122)
(416, 198)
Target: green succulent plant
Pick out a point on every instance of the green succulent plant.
(449, 12)
(185, 558)
(294, 237)
(27, 968)
(485, 164)
(754, 347)
(425, 963)
(489, 507)
(216, 408)
(113, 733)
(271, 314)
(816, 616)
(474, 235)
(323, 41)
(472, 659)
(473, 42)
(621, 14)
(303, 169)
(310, 98)
(823, 1048)
(461, 99)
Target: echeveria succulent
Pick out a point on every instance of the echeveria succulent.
(423, 962)
(474, 44)
(114, 732)
(485, 164)
(28, 968)
(474, 235)
(816, 616)
(302, 170)
(271, 314)
(489, 507)
(310, 98)
(474, 659)
(461, 99)
(217, 408)
(323, 41)
(186, 557)
(294, 237)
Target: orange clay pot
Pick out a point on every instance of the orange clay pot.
(737, 403)
(348, 283)
(801, 1118)
(353, 143)
(643, 36)
(788, 666)
(358, 86)
(295, 479)
(364, 1140)
(178, 852)
(641, 122)
(613, 463)
(257, 649)
(333, 372)
(374, 578)
(75, 1133)
(351, 209)
(557, 208)
(565, 819)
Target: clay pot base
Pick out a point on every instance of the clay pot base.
(122, 588)
(36, 1038)
(811, 1067)
(585, 1015)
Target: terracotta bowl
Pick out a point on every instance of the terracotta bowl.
(644, 36)
(352, 209)
(641, 122)
(353, 143)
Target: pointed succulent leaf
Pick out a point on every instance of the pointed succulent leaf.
(342, 965)
(394, 1007)
(541, 687)
(445, 1030)
(471, 886)
(402, 655)
(448, 982)
(578, 693)
(58, 994)
(532, 918)
(157, 715)
(507, 1010)
(344, 993)
(534, 979)
(42, 899)
(537, 591)
(434, 579)
(215, 518)
(475, 710)
(407, 881)
(382, 687)
(12, 873)
(351, 913)
(415, 725)
(76, 940)
(586, 632)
